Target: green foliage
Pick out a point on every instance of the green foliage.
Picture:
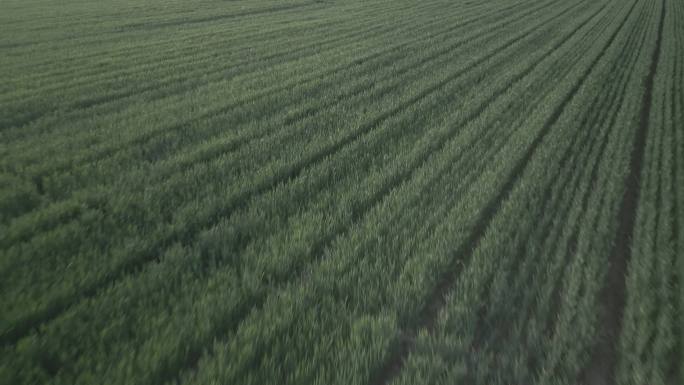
(348, 192)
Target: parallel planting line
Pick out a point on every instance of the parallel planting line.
(205, 156)
(522, 283)
(208, 19)
(241, 198)
(187, 56)
(256, 34)
(494, 149)
(437, 299)
(504, 296)
(605, 155)
(224, 109)
(319, 247)
(229, 146)
(677, 371)
(571, 152)
(399, 210)
(569, 155)
(191, 63)
(602, 365)
(523, 313)
(571, 244)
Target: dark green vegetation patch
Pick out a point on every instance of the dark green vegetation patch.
(342, 192)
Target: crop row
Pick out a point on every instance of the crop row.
(650, 340)
(142, 218)
(527, 310)
(354, 192)
(374, 283)
(53, 354)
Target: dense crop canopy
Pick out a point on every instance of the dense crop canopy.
(342, 192)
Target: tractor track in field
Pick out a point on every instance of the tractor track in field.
(601, 369)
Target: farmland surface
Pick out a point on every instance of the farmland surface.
(342, 192)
